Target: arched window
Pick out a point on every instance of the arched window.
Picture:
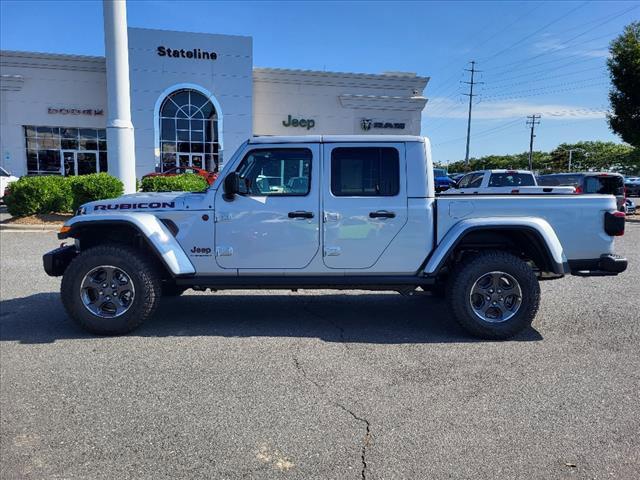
(188, 131)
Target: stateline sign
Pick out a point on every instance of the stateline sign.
(194, 53)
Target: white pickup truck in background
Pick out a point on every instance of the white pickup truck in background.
(502, 182)
(342, 212)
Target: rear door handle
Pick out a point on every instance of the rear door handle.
(382, 214)
(300, 214)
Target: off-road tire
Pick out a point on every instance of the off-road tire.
(468, 272)
(142, 272)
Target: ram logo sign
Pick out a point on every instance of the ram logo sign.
(367, 124)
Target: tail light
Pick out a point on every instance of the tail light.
(614, 223)
(578, 189)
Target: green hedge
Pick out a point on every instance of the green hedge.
(187, 182)
(56, 194)
(97, 186)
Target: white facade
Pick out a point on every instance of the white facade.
(69, 92)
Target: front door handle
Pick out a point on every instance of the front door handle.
(300, 214)
(382, 214)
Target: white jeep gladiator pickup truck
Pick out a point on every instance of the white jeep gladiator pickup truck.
(337, 212)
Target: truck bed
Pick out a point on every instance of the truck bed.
(578, 220)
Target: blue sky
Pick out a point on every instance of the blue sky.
(536, 57)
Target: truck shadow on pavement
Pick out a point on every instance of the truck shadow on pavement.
(384, 318)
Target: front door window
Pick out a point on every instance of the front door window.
(69, 163)
(79, 163)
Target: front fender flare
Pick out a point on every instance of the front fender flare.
(157, 235)
(539, 226)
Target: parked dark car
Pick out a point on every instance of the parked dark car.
(441, 179)
(629, 207)
(632, 185)
(589, 183)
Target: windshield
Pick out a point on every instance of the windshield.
(560, 180)
(605, 185)
(512, 180)
(439, 172)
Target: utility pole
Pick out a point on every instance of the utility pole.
(471, 83)
(532, 121)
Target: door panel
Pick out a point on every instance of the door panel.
(275, 222)
(364, 202)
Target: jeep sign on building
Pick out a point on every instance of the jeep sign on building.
(194, 99)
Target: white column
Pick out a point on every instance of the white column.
(120, 141)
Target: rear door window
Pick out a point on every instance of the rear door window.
(365, 171)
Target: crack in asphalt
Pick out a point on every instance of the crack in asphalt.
(367, 436)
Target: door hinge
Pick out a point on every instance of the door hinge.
(331, 217)
(332, 251)
(224, 251)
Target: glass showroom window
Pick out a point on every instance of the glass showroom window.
(65, 151)
(188, 131)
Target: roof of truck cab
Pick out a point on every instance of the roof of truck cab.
(336, 139)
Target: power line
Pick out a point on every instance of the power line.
(544, 27)
(605, 21)
(532, 121)
(485, 133)
(500, 98)
(539, 79)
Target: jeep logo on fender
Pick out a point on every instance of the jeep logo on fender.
(201, 250)
(134, 206)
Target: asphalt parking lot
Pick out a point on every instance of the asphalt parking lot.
(318, 385)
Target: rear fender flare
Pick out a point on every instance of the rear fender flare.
(540, 227)
(157, 235)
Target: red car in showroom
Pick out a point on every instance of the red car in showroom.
(210, 177)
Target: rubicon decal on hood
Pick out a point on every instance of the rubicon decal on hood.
(134, 206)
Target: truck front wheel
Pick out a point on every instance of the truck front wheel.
(110, 289)
(494, 295)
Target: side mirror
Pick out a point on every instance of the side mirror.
(231, 185)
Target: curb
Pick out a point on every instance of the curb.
(37, 227)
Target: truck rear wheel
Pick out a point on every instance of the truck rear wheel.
(494, 295)
(110, 289)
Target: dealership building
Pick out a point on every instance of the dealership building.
(194, 98)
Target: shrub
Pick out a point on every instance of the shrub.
(44, 194)
(56, 194)
(187, 182)
(96, 186)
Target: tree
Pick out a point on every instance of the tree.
(624, 69)
(593, 155)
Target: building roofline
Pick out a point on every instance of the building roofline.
(392, 79)
(14, 58)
